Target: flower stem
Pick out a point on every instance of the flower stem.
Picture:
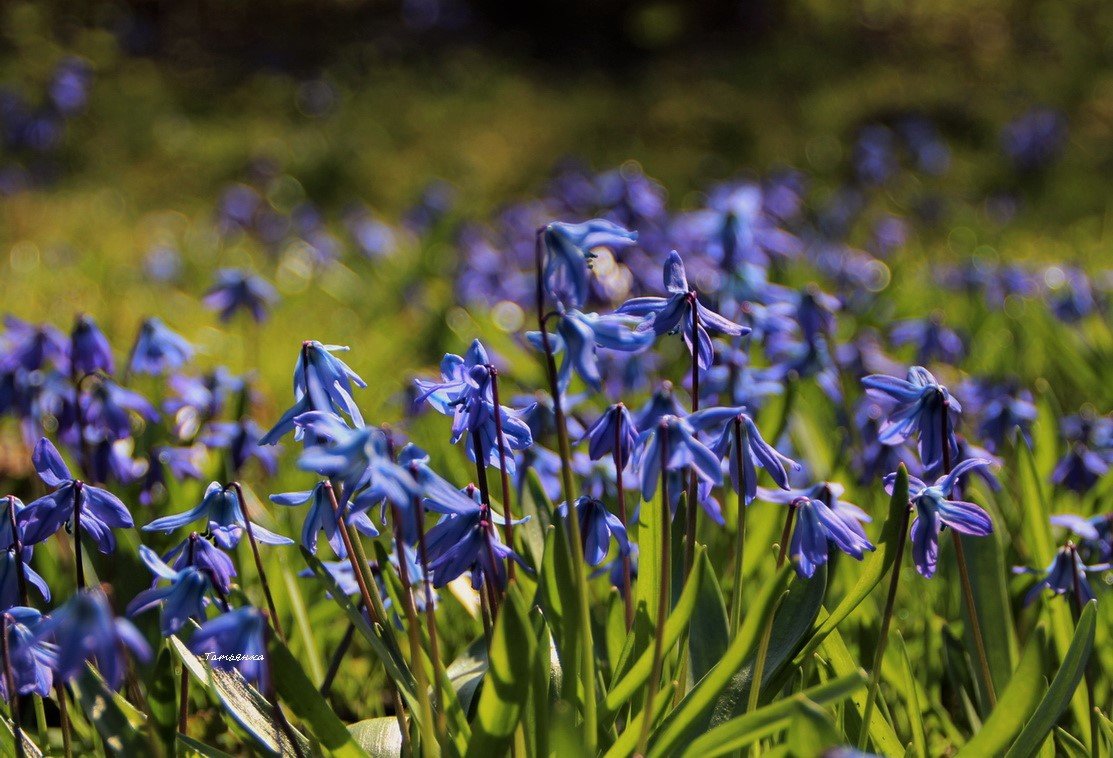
(258, 562)
(663, 595)
(485, 498)
(627, 572)
(337, 658)
(883, 638)
(507, 507)
(183, 690)
(691, 512)
(17, 545)
(78, 563)
(767, 632)
(964, 576)
(739, 535)
(1076, 598)
(64, 720)
(9, 685)
(440, 677)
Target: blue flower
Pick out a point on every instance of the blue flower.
(613, 433)
(579, 333)
(89, 349)
(934, 512)
(933, 341)
(1066, 573)
(322, 382)
(222, 509)
(107, 410)
(682, 452)
(468, 542)
(235, 640)
(1079, 469)
(33, 660)
(568, 252)
(1034, 139)
(661, 403)
(243, 441)
(183, 599)
(818, 526)
(84, 629)
(738, 228)
(614, 569)
(197, 552)
(181, 462)
(322, 518)
(10, 594)
(678, 312)
(158, 349)
(101, 511)
(1002, 409)
(919, 404)
(1096, 533)
(357, 457)
(235, 290)
(597, 525)
(830, 495)
(32, 347)
(735, 425)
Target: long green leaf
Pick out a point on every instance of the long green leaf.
(745, 730)
(104, 711)
(709, 632)
(1062, 688)
(189, 746)
(162, 700)
(843, 664)
(379, 737)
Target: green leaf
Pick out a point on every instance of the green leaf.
(913, 708)
(709, 631)
(465, 674)
(113, 721)
(513, 647)
(987, 580)
(190, 746)
(811, 731)
(298, 692)
(745, 730)
(162, 699)
(874, 568)
(640, 672)
(1063, 686)
(7, 745)
(1016, 703)
(843, 664)
(691, 715)
(379, 737)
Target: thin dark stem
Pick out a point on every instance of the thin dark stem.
(282, 725)
(1076, 601)
(78, 564)
(883, 638)
(767, 632)
(357, 572)
(9, 685)
(17, 545)
(439, 676)
(258, 561)
(964, 575)
(627, 572)
(485, 498)
(64, 720)
(337, 657)
(740, 533)
(183, 690)
(664, 596)
(693, 482)
(507, 508)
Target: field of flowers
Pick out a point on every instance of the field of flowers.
(656, 415)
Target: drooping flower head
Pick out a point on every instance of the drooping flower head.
(568, 253)
(236, 640)
(578, 335)
(89, 348)
(597, 525)
(197, 552)
(818, 527)
(1065, 576)
(158, 349)
(673, 444)
(919, 406)
(322, 518)
(236, 290)
(466, 540)
(222, 510)
(740, 443)
(613, 433)
(322, 382)
(33, 660)
(183, 599)
(1095, 534)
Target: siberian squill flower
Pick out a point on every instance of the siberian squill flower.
(597, 525)
(1096, 533)
(661, 403)
(322, 518)
(613, 431)
(1065, 575)
(830, 495)
(107, 411)
(817, 527)
(1001, 409)
(84, 629)
(679, 312)
(158, 349)
(577, 336)
(180, 462)
(243, 441)
(89, 348)
(322, 382)
(101, 511)
(235, 290)
(683, 452)
(465, 539)
(935, 511)
(32, 347)
(183, 599)
(933, 340)
(737, 228)
(568, 254)
(740, 444)
(10, 594)
(197, 552)
(920, 406)
(358, 457)
(222, 510)
(32, 660)
(235, 640)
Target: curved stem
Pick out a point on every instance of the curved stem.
(258, 561)
(767, 632)
(507, 508)
(627, 572)
(739, 535)
(78, 563)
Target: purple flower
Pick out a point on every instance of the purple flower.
(101, 511)
(33, 347)
(597, 525)
(921, 406)
(33, 660)
(235, 640)
(181, 462)
(322, 382)
(235, 290)
(85, 630)
(933, 341)
(683, 452)
(740, 443)
(1034, 139)
(196, 552)
(661, 403)
(817, 526)
(1079, 469)
(322, 518)
(108, 409)
(568, 252)
(1065, 575)
(934, 512)
(613, 433)
(89, 349)
(10, 594)
(1096, 533)
(467, 541)
(360, 458)
(577, 336)
(243, 441)
(157, 349)
(183, 599)
(222, 510)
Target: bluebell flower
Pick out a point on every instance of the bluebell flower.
(454, 383)
(1095, 533)
(683, 452)
(101, 511)
(358, 458)
(107, 410)
(577, 336)
(1071, 294)
(111, 460)
(235, 290)
(751, 385)
(1035, 138)
(817, 527)
(181, 463)
(1001, 409)
(1065, 575)
(223, 512)
(735, 426)
(89, 348)
(830, 495)
(661, 403)
(468, 542)
(235, 640)
(243, 441)
(613, 433)
(815, 312)
(322, 382)
(157, 349)
(33, 660)
(1079, 469)
(678, 313)
(322, 518)
(183, 599)
(10, 594)
(739, 228)
(918, 407)
(200, 398)
(568, 252)
(32, 347)
(933, 340)
(85, 630)
(873, 458)
(597, 525)
(935, 511)
(196, 552)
